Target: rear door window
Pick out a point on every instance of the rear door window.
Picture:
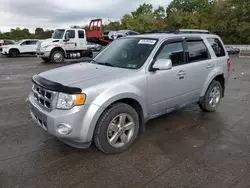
(33, 42)
(197, 51)
(217, 47)
(80, 34)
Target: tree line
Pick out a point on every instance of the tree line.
(228, 18)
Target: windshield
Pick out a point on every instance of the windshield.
(58, 34)
(128, 53)
(18, 42)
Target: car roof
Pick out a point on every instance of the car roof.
(162, 36)
(28, 39)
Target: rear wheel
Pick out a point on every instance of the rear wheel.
(57, 56)
(47, 60)
(212, 97)
(14, 53)
(116, 129)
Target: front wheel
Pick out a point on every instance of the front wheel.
(212, 97)
(117, 129)
(14, 53)
(57, 56)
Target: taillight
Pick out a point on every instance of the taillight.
(228, 65)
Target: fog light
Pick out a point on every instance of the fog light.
(64, 129)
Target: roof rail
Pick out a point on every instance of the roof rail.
(179, 31)
(193, 31)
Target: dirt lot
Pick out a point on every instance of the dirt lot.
(187, 148)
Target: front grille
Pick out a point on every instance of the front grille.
(43, 96)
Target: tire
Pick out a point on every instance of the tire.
(57, 56)
(45, 59)
(14, 53)
(205, 104)
(103, 133)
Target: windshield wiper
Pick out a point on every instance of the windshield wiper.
(108, 64)
(101, 63)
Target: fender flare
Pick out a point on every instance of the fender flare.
(102, 103)
(14, 49)
(209, 79)
(57, 48)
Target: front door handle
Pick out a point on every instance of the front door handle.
(209, 66)
(181, 73)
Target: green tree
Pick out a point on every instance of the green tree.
(160, 13)
(190, 6)
(229, 18)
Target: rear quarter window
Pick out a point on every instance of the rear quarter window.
(217, 47)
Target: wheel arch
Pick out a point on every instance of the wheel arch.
(99, 110)
(218, 77)
(136, 105)
(57, 48)
(14, 49)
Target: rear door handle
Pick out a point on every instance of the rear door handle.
(209, 66)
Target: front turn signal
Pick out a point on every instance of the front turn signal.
(80, 99)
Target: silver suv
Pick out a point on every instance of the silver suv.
(136, 78)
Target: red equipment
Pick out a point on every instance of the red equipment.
(94, 33)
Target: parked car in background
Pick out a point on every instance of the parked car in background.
(112, 35)
(232, 50)
(94, 47)
(5, 42)
(26, 46)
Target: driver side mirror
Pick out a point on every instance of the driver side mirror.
(67, 36)
(162, 64)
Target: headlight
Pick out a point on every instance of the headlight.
(68, 101)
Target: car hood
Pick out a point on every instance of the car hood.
(8, 46)
(49, 42)
(84, 74)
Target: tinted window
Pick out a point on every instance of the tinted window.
(217, 47)
(25, 43)
(173, 51)
(132, 33)
(8, 42)
(71, 33)
(33, 42)
(197, 51)
(80, 34)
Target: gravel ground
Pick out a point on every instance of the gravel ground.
(186, 148)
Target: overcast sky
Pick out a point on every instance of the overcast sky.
(51, 14)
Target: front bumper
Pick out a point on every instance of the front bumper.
(82, 120)
(4, 52)
(43, 54)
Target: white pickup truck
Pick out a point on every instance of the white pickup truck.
(64, 44)
(26, 46)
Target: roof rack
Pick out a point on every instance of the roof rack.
(179, 31)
